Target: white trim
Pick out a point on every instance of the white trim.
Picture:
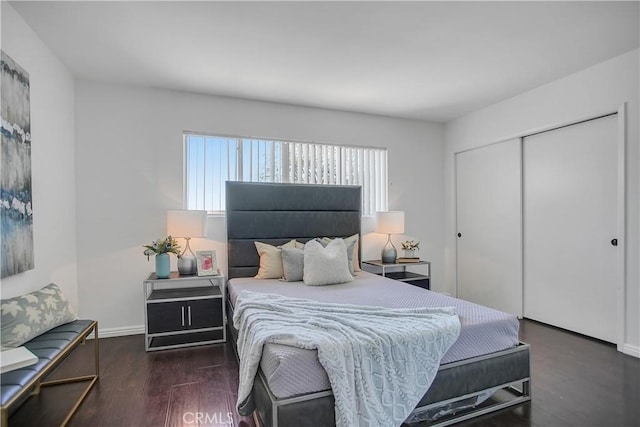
(120, 332)
(522, 236)
(544, 128)
(455, 219)
(185, 162)
(631, 350)
(621, 287)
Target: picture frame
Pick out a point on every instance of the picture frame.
(206, 263)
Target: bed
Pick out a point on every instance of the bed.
(487, 369)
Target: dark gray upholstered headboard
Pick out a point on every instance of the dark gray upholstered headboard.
(277, 213)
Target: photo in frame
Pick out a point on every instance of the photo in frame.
(206, 263)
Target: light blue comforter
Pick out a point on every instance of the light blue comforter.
(380, 361)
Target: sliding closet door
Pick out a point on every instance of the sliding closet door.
(570, 219)
(489, 227)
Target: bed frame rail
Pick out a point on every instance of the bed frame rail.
(504, 374)
(317, 409)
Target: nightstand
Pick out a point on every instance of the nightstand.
(398, 271)
(184, 311)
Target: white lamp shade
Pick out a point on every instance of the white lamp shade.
(390, 222)
(186, 223)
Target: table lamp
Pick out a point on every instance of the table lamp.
(186, 224)
(389, 222)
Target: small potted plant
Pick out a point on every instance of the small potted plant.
(410, 248)
(161, 248)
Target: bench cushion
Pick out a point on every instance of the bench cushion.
(46, 347)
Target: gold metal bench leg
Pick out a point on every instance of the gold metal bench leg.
(36, 384)
(96, 350)
(36, 389)
(93, 378)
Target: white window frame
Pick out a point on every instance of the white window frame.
(270, 160)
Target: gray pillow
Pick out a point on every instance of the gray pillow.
(292, 264)
(27, 316)
(326, 265)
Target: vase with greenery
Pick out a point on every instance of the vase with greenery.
(410, 248)
(161, 248)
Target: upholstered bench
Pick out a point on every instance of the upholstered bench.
(21, 317)
(51, 348)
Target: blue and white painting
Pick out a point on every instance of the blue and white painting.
(16, 209)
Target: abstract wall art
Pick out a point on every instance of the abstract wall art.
(16, 209)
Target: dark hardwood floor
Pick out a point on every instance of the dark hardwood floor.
(576, 381)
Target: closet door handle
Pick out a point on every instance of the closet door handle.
(614, 242)
(459, 234)
(189, 311)
(182, 315)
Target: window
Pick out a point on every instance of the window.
(212, 160)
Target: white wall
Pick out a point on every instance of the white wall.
(596, 90)
(53, 161)
(129, 172)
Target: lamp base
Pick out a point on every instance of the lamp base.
(389, 253)
(187, 261)
(187, 265)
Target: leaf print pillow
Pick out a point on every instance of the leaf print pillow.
(27, 316)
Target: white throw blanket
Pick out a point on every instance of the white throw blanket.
(380, 362)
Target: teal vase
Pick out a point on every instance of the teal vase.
(162, 266)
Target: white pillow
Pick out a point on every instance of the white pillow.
(352, 243)
(326, 265)
(271, 260)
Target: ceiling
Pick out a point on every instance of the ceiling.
(422, 60)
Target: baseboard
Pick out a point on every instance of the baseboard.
(631, 350)
(119, 332)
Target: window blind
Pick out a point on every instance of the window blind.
(212, 160)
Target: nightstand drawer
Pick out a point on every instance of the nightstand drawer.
(421, 283)
(205, 313)
(182, 315)
(166, 317)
